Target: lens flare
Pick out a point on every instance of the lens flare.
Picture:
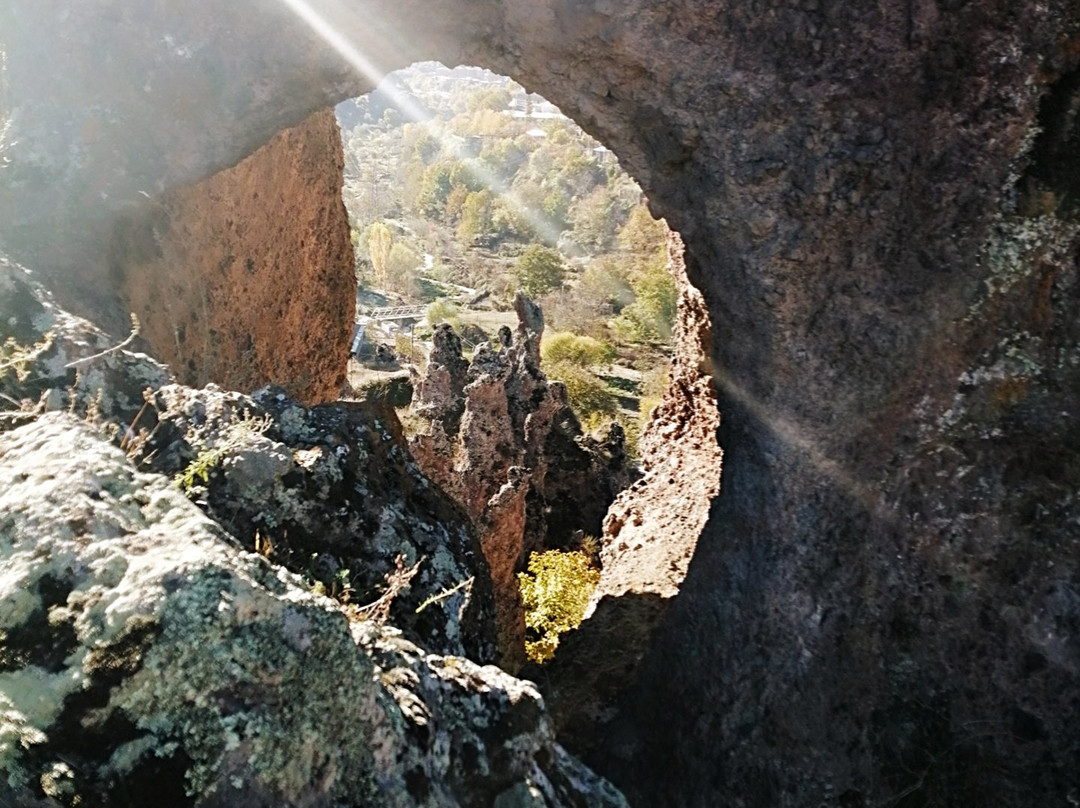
(340, 43)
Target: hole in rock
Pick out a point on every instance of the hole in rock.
(464, 188)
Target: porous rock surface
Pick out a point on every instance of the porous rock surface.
(649, 535)
(246, 278)
(878, 205)
(330, 491)
(145, 655)
(500, 438)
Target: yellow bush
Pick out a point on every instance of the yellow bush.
(555, 592)
(581, 351)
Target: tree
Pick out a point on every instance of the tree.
(651, 317)
(379, 241)
(606, 284)
(401, 266)
(642, 233)
(492, 98)
(593, 217)
(442, 311)
(476, 223)
(539, 270)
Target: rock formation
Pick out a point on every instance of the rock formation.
(502, 441)
(213, 270)
(649, 536)
(330, 492)
(152, 645)
(879, 207)
(145, 653)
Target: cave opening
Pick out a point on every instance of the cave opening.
(462, 187)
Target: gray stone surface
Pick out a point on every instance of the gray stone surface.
(145, 656)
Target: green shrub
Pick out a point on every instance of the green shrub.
(236, 437)
(653, 385)
(588, 395)
(555, 592)
(584, 352)
(443, 311)
(408, 350)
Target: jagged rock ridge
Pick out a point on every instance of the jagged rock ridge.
(501, 439)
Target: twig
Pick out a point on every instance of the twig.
(466, 584)
(124, 444)
(130, 338)
(396, 580)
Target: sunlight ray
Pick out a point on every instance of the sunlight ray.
(335, 39)
(798, 436)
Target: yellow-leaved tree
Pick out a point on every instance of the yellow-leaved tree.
(555, 592)
(380, 242)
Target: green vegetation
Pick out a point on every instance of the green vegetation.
(653, 385)
(236, 437)
(16, 360)
(555, 592)
(495, 192)
(560, 347)
(379, 241)
(651, 317)
(406, 348)
(539, 271)
(442, 311)
(589, 397)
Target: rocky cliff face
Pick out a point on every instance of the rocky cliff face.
(500, 439)
(144, 652)
(246, 279)
(649, 535)
(878, 205)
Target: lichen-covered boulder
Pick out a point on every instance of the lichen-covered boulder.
(331, 492)
(53, 359)
(145, 655)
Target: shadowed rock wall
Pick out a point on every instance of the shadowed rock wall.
(649, 535)
(880, 212)
(246, 278)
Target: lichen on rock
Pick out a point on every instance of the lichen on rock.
(143, 651)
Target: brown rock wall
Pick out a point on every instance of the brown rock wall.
(650, 533)
(246, 278)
